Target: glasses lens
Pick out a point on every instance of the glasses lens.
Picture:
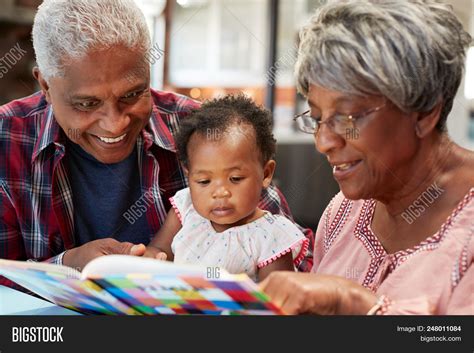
(342, 124)
(306, 124)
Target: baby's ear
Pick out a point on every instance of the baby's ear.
(185, 169)
(268, 171)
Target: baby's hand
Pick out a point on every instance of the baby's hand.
(155, 253)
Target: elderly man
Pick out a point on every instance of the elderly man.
(88, 163)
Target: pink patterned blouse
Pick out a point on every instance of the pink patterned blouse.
(435, 277)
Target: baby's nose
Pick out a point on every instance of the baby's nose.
(222, 192)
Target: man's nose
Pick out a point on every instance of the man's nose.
(327, 140)
(114, 120)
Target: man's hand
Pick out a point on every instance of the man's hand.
(155, 253)
(309, 293)
(78, 257)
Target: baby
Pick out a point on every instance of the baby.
(226, 148)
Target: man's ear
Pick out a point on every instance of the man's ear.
(426, 122)
(268, 171)
(42, 82)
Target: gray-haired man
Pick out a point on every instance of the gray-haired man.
(77, 158)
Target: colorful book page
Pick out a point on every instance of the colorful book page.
(170, 292)
(165, 294)
(83, 296)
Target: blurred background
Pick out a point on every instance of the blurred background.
(213, 47)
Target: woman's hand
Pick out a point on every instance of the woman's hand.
(307, 293)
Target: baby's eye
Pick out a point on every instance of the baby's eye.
(236, 179)
(203, 182)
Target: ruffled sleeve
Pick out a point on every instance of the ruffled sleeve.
(462, 298)
(281, 237)
(182, 203)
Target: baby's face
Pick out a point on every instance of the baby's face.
(226, 176)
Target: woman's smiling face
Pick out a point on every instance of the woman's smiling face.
(375, 159)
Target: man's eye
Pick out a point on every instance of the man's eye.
(132, 95)
(236, 179)
(203, 182)
(87, 104)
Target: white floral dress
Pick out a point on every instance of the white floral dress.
(240, 249)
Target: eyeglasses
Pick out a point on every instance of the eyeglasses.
(340, 123)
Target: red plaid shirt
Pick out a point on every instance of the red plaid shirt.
(36, 208)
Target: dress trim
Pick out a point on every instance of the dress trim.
(301, 256)
(327, 216)
(461, 265)
(302, 242)
(385, 307)
(337, 224)
(176, 209)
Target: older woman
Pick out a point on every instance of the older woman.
(380, 78)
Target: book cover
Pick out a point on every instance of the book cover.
(128, 285)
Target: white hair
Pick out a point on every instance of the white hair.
(69, 29)
(410, 51)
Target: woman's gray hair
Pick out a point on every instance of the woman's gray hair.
(68, 29)
(410, 51)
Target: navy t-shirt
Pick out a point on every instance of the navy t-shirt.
(102, 194)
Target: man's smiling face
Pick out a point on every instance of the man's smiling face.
(101, 102)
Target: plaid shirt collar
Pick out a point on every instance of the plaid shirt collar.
(155, 132)
(50, 132)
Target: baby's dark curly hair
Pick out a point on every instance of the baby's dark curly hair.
(214, 117)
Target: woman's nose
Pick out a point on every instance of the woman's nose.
(326, 139)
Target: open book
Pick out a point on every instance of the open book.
(128, 285)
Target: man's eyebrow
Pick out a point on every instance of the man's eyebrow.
(83, 97)
(137, 87)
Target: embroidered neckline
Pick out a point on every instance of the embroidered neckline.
(364, 231)
(333, 229)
